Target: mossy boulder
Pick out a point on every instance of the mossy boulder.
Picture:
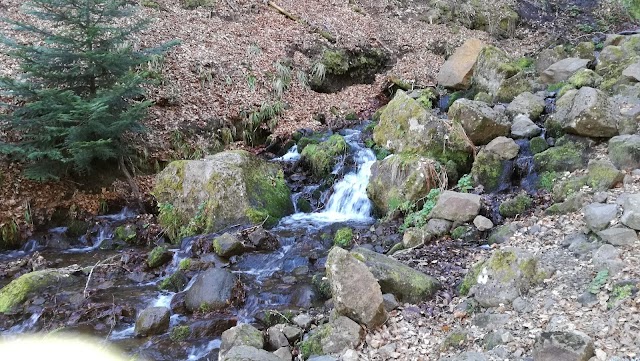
(624, 151)
(538, 145)
(322, 157)
(480, 122)
(407, 284)
(526, 103)
(18, 291)
(407, 127)
(515, 206)
(332, 338)
(506, 275)
(603, 175)
(402, 178)
(345, 67)
(152, 321)
(567, 156)
(158, 257)
(241, 335)
(231, 187)
(228, 245)
(176, 282)
(585, 78)
(614, 59)
(343, 237)
(493, 166)
(495, 74)
(587, 112)
(125, 232)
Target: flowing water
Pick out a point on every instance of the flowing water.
(279, 280)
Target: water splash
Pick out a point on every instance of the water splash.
(291, 156)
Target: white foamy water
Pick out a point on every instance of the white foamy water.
(291, 156)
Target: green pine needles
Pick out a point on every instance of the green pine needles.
(80, 92)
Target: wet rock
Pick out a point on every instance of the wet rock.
(390, 302)
(401, 178)
(586, 112)
(303, 296)
(158, 257)
(598, 216)
(152, 321)
(18, 291)
(631, 215)
(608, 257)
(176, 282)
(213, 326)
(562, 70)
(481, 123)
(276, 338)
(438, 227)
(456, 207)
(228, 245)
(355, 292)
(624, 151)
(456, 72)
(619, 236)
(563, 346)
(506, 275)
(528, 104)
(321, 158)
(523, 127)
(227, 188)
(262, 240)
(241, 335)
(178, 304)
(482, 223)
(248, 353)
(407, 284)
(212, 290)
(332, 338)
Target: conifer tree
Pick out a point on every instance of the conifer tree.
(79, 92)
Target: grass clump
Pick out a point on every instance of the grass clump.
(343, 237)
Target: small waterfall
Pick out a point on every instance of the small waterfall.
(291, 156)
(349, 201)
(26, 325)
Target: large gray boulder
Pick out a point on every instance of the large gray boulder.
(563, 346)
(212, 290)
(401, 178)
(407, 284)
(597, 216)
(456, 207)
(562, 70)
(241, 335)
(406, 127)
(355, 292)
(481, 123)
(456, 72)
(332, 338)
(624, 151)
(586, 112)
(152, 321)
(523, 127)
(632, 72)
(608, 257)
(506, 275)
(248, 353)
(631, 215)
(529, 104)
(619, 236)
(227, 188)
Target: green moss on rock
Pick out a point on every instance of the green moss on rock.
(538, 145)
(343, 237)
(180, 333)
(176, 282)
(471, 278)
(518, 205)
(158, 257)
(19, 290)
(488, 170)
(126, 232)
(322, 157)
(566, 157)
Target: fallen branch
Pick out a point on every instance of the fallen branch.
(99, 263)
(325, 34)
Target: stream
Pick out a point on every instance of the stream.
(280, 280)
